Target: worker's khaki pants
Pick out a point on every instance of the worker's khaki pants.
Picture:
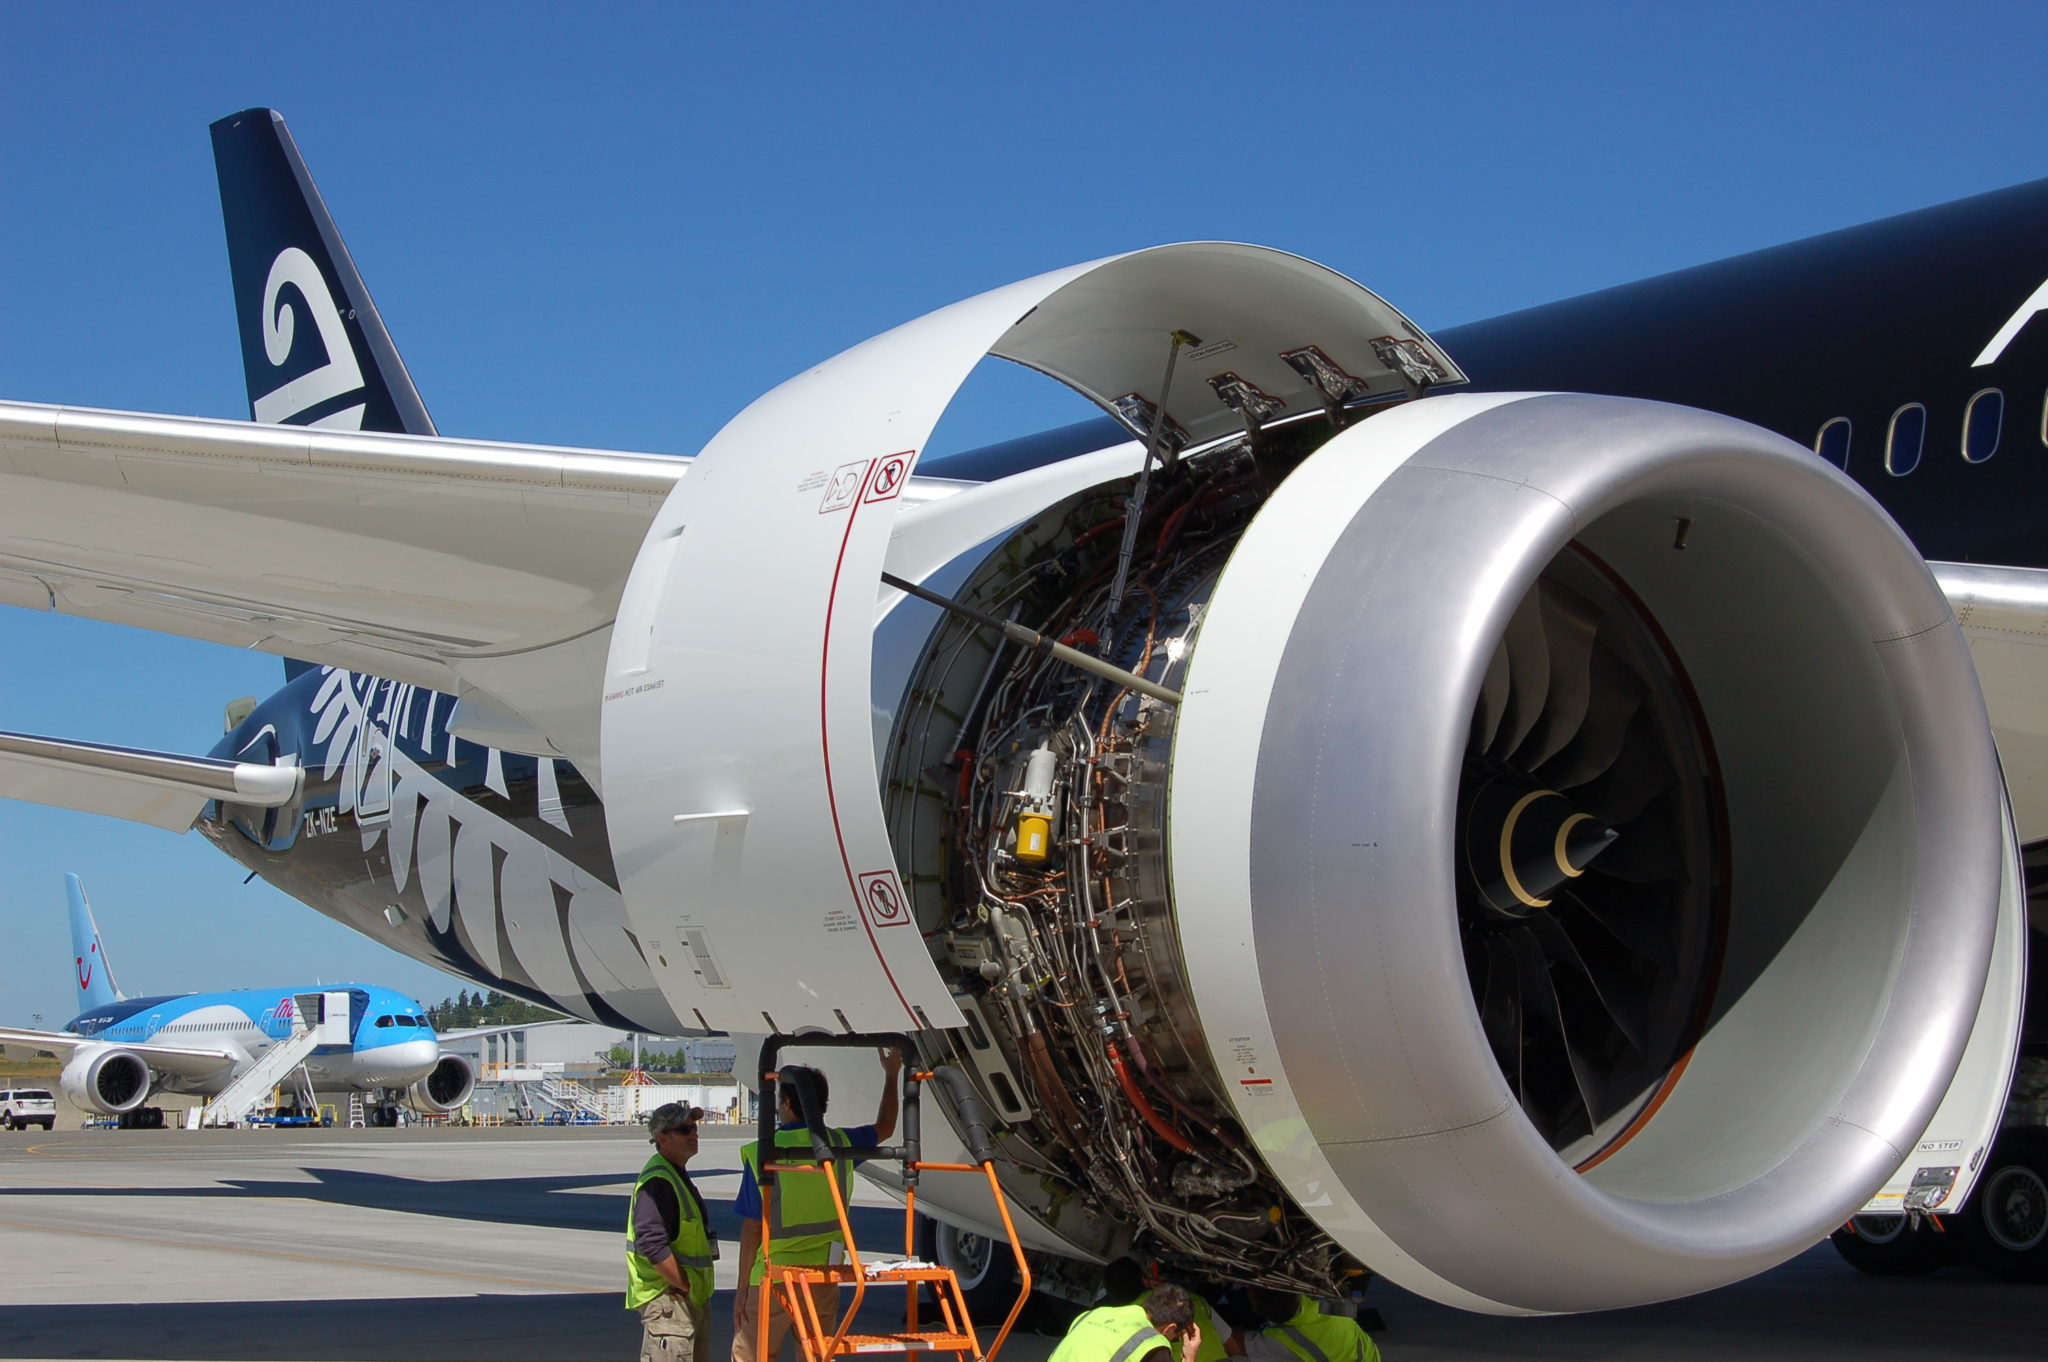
(824, 1295)
(671, 1330)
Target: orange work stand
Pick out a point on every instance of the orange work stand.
(953, 1332)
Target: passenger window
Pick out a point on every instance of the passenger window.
(1902, 444)
(1832, 443)
(1983, 420)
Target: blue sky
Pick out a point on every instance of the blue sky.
(615, 226)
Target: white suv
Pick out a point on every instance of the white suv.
(21, 1108)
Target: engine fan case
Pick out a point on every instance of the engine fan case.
(106, 1080)
(1312, 819)
(447, 1086)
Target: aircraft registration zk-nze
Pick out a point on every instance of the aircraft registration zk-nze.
(1548, 849)
(119, 1051)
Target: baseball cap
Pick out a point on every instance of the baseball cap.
(672, 1116)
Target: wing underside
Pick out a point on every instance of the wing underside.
(167, 1059)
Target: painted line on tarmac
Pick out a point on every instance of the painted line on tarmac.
(411, 1270)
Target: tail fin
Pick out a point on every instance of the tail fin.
(96, 987)
(324, 357)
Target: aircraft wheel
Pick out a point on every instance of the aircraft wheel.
(988, 1277)
(1888, 1246)
(2005, 1222)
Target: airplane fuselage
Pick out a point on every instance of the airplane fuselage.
(393, 1045)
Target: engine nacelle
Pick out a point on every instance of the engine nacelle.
(447, 1086)
(1553, 860)
(106, 1079)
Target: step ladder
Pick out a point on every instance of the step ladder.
(953, 1332)
(317, 1019)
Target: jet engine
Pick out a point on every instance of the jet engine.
(1564, 798)
(1543, 849)
(104, 1079)
(447, 1086)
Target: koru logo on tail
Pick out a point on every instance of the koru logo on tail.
(340, 375)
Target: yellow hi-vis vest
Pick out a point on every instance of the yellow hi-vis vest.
(1211, 1349)
(692, 1245)
(803, 1224)
(1110, 1333)
(1314, 1336)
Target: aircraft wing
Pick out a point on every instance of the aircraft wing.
(161, 789)
(402, 556)
(487, 571)
(169, 1059)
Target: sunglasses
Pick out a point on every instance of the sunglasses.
(690, 1129)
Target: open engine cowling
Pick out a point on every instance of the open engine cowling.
(105, 1079)
(1553, 858)
(447, 1086)
(1454, 628)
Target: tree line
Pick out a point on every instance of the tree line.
(659, 1061)
(467, 1009)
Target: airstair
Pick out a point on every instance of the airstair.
(317, 1019)
(566, 1094)
(953, 1331)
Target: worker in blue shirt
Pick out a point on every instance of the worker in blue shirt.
(806, 1229)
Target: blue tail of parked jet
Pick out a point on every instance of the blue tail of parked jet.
(96, 987)
(314, 350)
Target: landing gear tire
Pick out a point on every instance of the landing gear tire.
(2004, 1224)
(987, 1274)
(1889, 1246)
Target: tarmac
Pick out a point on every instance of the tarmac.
(509, 1244)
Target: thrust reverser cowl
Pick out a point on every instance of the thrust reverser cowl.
(741, 788)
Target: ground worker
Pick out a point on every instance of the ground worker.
(1163, 1329)
(1123, 1283)
(669, 1245)
(806, 1229)
(1298, 1331)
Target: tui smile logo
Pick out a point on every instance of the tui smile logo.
(85, 966)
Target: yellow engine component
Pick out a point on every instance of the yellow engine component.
(1034, 837)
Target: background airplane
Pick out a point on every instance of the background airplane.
(120, 1051)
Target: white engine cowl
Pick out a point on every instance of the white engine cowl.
(107, 1080)
(447, 1086)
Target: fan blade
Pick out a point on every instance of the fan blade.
(1500, 1012)
(1528, 675)
(1643, 933)
(1558, 946)
(1539, 992)
(1639, 773)
(1569, 625)
(1617, 693)
(1493, 701)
